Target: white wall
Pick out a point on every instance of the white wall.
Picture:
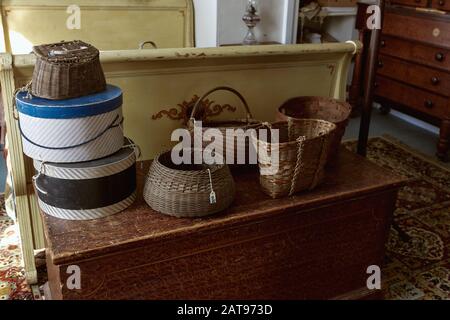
(230, 14)
(278, 23)
(205, 23)
(341, 28)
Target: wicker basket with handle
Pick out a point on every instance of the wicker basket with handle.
(188, 190)
(240, 144)
(67, 70)
(303, 148)
(328, 109)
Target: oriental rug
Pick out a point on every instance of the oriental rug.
(415, 269)
(12, 277)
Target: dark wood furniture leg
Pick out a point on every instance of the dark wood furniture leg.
(368, 95)
(355, 92)
(444, 141)
(372, 59)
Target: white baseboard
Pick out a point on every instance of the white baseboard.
(414, 121)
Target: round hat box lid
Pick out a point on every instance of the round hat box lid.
(119, 161)
(91, 105)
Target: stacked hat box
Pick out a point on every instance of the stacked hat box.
(85, 167)
(73, 130)
(87, 190)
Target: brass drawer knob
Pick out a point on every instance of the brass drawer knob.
(383, 43)
(435, 80)
(380, 64)
(441, 2)
(429, 104)
(439, 56)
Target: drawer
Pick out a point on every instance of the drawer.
(441, 4)
(423, 77)
(412, 3)
(418, 27)
(419, 100)
(415, 52)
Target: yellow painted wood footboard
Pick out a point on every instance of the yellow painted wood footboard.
(159, 84)
(107, 24)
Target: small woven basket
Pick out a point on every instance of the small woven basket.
(328, 109)
(303, 148)
(241, 144)
(188, 190)
(67, 70)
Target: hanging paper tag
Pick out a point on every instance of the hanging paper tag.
(212, 197)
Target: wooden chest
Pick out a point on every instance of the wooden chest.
(315, 245)
(413, 72)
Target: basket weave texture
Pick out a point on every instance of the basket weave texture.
(67, 70)
(328, 109)
(303, 149)
(184, 190)
(241, 143)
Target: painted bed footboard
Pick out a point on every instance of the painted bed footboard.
(159, 87)
(106, 24)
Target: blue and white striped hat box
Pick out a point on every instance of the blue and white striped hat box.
(87, 190)
(72, 130)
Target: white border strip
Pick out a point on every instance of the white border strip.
(67, 173)
(87, 214)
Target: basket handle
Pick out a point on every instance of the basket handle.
(142, 45)
(224, 88)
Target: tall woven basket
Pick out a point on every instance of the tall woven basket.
(328, 109)
(67, 70)
(303, 149)
(239, 144)
(188, 190)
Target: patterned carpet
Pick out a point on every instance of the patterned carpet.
(415, 269)
(12, 278)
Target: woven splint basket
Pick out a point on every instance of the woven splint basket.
(67, 70)
(238, 146)
(328, 109)
(186, 190)
(302, 149)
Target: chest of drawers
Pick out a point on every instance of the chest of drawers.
(413, 72)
